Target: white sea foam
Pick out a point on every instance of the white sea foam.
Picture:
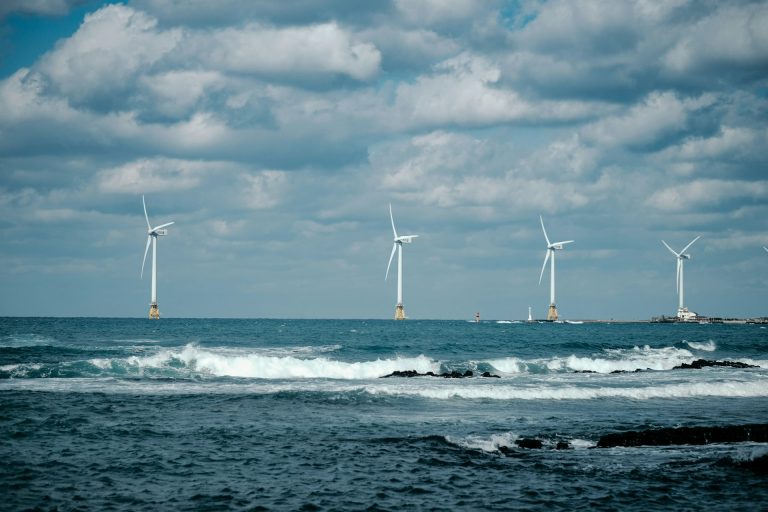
(610, 360)
(429, 388)
(508, 365)
(571, 392)
(488, 444)
(709, 346)
(240, 363)
(25, 340)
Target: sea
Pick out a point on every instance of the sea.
(267, 414)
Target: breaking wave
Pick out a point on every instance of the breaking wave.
(611, 360)
(237, 363)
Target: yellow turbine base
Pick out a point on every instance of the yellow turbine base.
(399, 312)
(154, 313)
(552, 313)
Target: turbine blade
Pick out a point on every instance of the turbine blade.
(563, 243)
(690, 244)
(766, 248)
(145, 212)
(161, 226)
(544, 230)
(546, 258)
(392, 219)
(670, 249)
(392, 255)
(146, 250)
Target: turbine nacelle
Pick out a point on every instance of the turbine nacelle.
(406, 239)
(558, 246)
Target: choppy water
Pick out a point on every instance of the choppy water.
(130, 414)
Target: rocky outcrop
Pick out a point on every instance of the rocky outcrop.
(686, 435)
(452, 375)
(704, 363)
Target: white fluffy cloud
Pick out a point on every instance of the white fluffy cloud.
(733, 36)
(307, 50)
(708, 194)
(101, 60)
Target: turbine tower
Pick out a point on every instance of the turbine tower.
(551, 248)
(398, 246)
(682, 311)
(152, 234)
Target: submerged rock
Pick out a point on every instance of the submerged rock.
(687, 435)
(703, 363)
(529, 443)
(452, 375)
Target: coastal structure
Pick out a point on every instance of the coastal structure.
(398, 247)
(682, 311)
(551, 248)
(152, 234)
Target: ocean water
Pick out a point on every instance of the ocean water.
(194, 414)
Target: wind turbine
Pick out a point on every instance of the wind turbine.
(682, 311)
(551, 248)
(398, 246)
(152, 234)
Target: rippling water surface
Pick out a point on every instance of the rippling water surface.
(130, 414)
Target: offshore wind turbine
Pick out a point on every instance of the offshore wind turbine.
(398, 246)
(551, 248)
(152, 234)
(682, 311)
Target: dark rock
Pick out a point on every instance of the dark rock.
(506, 450)
(453, 375)
(529, 443)
(489, 374)
(703, 363)
(758, 464)
(404, 373)
(687, 435)
(563, 445)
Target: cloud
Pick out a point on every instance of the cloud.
(660, 117)
(263, 190)
(37, 7)
(304, 50)
(97, 66)
(732, 39)
(709, 194)
(433, 12)
(155, 175)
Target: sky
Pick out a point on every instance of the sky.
(276, 134)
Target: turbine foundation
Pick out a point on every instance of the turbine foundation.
(552, 313)
(399, 312)
(154, 313)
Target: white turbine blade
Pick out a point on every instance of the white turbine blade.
(392, 255)
(546, 258)
(145, 213)
(146, 250)
(690, 244)
(563, 243)
(766, 248)
(670, 249)
(393, 220)
(545, 231)
(161, 226)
